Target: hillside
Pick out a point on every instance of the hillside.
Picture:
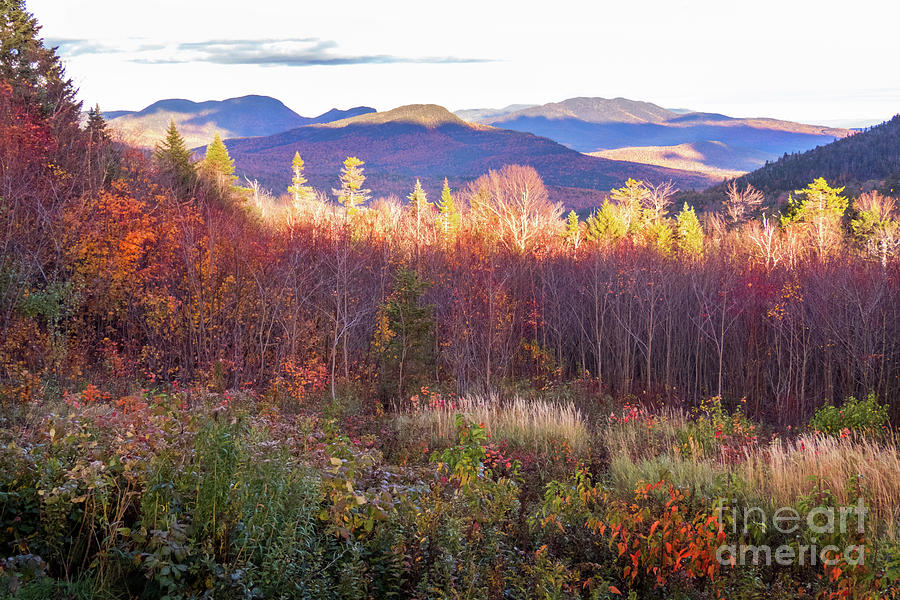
(246, 116)
(871, 156)
(698, 156)
(429, 142)
(598, 124)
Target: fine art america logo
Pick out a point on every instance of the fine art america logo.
(817, 532)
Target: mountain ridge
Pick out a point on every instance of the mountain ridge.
(596, 125)
(243, 116)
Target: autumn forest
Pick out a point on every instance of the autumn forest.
(209, 389)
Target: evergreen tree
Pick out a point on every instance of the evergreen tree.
(659, 235)
(630, 200)
(404, 335)
(605, 225)
(174, 159)
(217, 165)
(573, 229)
(448, 215)
(35, 73)
(102, 159)
(98, 132)
(418, 201)
(298, 189)
(689, 233)
(352, 194)
(819, 209)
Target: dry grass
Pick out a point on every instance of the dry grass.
(785, 471)
(640, 434)
(537, 425)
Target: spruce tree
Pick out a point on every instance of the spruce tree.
(448, 215)
(174, 159)
(689, 233)
(98, 132)
(352, 194)
(217, 165)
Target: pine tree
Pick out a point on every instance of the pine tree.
(352, 194)
(630, 200)
(298, 189)
(819, 209)
(35, 73)
(174, 159)
(217, 165)
(689, 233)
(448, 215)
(98, 132)
(659, 235)
(573, 230)
(605, 225)
(418, 202)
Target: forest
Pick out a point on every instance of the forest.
(211, 390)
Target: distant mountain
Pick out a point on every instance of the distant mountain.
(698, 156)
(594, 110)
(867, 158)
(480, 115)
(429, 142)
(198, 121)
(598, 124)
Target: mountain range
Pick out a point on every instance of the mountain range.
(591, 125)
(430, 143)
(582, 146)
(198, 122)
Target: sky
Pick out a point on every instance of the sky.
(818, 62)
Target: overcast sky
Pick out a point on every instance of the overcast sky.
(812, 61)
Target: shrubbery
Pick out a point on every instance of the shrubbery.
(864, 417)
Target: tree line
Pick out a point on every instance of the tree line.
(117, 266)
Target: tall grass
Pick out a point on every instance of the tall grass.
(639, 434)
(787, 470)
(532, 424)
(701, 476)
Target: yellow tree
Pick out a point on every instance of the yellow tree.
(298, 189)
(351, 193)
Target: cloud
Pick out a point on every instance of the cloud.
(293, 52)
(78, 47)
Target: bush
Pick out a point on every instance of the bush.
(717, 432)
(864, 417)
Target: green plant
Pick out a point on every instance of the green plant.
(716, 432)
(864, 417)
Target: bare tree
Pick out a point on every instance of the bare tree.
(765, 236)
(741, 203)
(659, 198)
(517, 203)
